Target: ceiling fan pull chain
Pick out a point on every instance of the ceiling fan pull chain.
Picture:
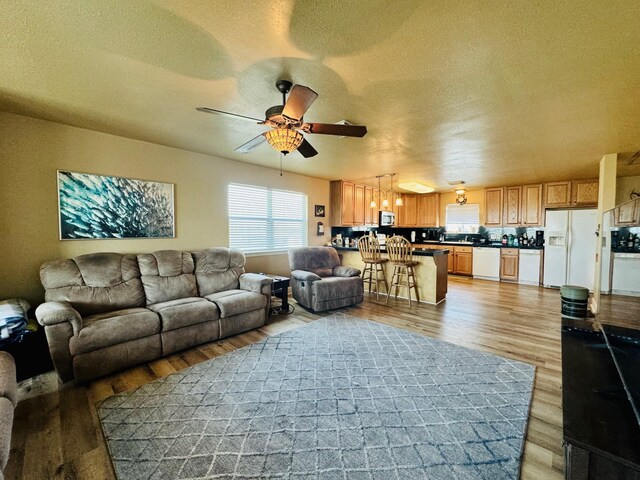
(280, 163)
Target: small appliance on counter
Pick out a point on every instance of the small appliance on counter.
(539, 238)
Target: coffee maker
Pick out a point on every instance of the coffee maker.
(539, 238)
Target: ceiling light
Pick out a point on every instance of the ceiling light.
(461, 198)
(285, 140)
(416, 187)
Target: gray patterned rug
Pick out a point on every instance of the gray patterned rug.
(340, 398)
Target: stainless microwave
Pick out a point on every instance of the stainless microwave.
(386, 219)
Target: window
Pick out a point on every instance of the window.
(265, 219)
(463, 218)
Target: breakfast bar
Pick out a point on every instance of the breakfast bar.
(431, 271)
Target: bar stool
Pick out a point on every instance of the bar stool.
(400, 253)
(373, 264)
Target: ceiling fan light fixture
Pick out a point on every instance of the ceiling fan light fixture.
(416, 187)
(285, 140)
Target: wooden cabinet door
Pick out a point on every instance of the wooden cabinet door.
(509, 264)
(493, 207)
(584, 193)
(532, 205)
(428, 210)
(450, 259)
(370, 214)
(557, 194)
(348, 212)
(627, 213)
(512, 201)
(463, 263)
(409, 210)
(358, 204)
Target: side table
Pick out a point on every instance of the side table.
(280, 290)
(30, 351)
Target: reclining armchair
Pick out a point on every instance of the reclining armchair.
(319, 282)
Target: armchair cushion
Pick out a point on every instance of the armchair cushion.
(184, 312)
(346, 272)
(234, 302)
(111, 328)
(303, 276)
(336, 288)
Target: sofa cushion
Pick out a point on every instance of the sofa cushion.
(332, 288)
(183, 312)
(234, 302)
(167, 275)
(218, 269)
(94, 283)
(111, 328)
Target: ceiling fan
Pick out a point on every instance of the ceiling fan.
(286, 122)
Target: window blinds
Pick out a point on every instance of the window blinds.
(265, 219)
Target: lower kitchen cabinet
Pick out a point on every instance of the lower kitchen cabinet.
(509, 259)
(463, 260)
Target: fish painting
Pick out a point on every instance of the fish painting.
(96, 206)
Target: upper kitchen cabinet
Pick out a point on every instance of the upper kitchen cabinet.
(429, 210)
(627, 214)
(370, 214)
(358, 204)
(512, 206)
(584, 193)
(557, 194)
(408, 212)
(532, 205)
(493, 206)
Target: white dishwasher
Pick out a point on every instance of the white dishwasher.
(626, 274)
(529, 268)
(486, 263)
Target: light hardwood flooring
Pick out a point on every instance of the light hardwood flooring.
(56, 432)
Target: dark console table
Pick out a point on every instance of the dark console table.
(600, 400)
(280, 289)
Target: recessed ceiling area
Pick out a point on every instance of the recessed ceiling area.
(500, 93)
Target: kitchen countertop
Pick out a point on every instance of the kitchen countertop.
(480, 245)
(417, 253)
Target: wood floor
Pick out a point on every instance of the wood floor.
(56, 433)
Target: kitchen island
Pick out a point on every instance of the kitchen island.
(431, 272)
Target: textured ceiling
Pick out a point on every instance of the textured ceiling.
(494, 93)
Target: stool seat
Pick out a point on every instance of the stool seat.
(369, 249)
(400, 253)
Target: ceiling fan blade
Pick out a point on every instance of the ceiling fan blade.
(251, 144)
(333, 129)
(306, 150)
(299, 101)
(227, 114)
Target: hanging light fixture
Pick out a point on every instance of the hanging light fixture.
(285, 140)
(373, 200)
(461, 197)
(398, 202)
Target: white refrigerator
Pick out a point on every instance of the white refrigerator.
(570, 248)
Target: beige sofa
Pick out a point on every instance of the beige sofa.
(108, 311)
(8, 401)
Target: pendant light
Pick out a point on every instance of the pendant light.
(398, 202)
(373, 199)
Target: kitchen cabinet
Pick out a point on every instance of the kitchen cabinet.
(350, 205)
(428, 210)
(409, 211)
(358, 204)
(627, 214)
(509, 259)
(584, 193)
(370, 214)
(493, 207)
(557, 194)
(463, 260)
(512, 206)
(532, 215)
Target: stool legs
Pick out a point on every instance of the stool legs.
(404, 276)
(371, 275)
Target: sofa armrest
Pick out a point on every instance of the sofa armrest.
(254, 282)
(341, 271)
(8, 385)
(304, 276)
(52, 313)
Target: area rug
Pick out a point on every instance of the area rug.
(340, 398)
